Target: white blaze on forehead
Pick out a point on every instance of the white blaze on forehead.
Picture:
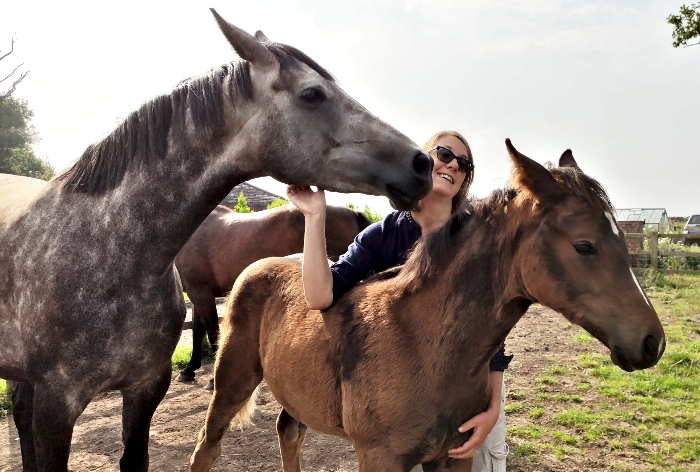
(640, 288)
(612, 224)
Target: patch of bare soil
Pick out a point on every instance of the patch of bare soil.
(540, 336)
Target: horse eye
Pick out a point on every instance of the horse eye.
(585, 248)
(313, 95)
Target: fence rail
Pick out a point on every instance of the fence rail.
(655, 255)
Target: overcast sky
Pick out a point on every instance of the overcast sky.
(599, 77)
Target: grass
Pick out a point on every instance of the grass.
(650, 417)
(182, 355)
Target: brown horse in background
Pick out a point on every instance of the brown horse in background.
(401, 361)
(227, 242)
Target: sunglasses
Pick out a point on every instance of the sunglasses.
(445, 155)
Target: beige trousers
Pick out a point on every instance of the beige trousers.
(492, 453)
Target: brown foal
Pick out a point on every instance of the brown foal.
(401, 360)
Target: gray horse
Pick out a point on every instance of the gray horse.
(89, 298)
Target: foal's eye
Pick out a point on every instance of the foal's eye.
(313, 95)
(585, 248)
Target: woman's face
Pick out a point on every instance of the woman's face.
(447, 179)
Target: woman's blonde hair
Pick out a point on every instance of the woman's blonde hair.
(461, 196)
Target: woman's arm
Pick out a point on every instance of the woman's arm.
(316, 275)
(482, 423)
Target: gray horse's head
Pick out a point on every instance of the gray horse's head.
(300, 127)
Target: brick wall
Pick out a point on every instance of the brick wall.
(633, 244)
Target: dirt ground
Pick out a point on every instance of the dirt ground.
(97, 445)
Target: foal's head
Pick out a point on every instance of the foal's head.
(307, 131)
(575, 260)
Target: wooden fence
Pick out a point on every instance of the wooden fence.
(635, 244)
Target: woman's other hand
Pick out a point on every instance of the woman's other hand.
(306, 200)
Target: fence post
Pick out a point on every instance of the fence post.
(654, 250)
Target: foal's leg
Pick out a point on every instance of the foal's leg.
(290, 434)
(138, 408)
(238, 372)
(449, 465)
(378, 460)
(22, 400)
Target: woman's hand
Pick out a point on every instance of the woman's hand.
(306, 200)
(482, 424)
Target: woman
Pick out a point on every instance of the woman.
(386, 244)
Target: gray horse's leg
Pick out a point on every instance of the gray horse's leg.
(138, 409)
(22, 400)
(56, 407)
(290, 434)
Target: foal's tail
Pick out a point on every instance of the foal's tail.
(242, 419)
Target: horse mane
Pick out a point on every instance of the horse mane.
(583, 186)
(432, 253)
(142, 137)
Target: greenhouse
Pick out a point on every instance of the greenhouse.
(655, 219)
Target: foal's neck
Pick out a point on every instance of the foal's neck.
(478, 298)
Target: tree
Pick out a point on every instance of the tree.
(686, 25)
(242, 205)
(278, 202)
(16, 139)
(16, 134)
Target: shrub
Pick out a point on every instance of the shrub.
(242, 205)
(278, 203)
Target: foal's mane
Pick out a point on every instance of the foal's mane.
(143, 136)
(432, 253)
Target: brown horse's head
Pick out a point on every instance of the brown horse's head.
(303, 129)
(576, 260)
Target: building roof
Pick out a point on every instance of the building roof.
(257, 198)
(647, 215)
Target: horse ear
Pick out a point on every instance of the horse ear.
(531, 175)
(246, 45)
(261, 37)
(567, 160)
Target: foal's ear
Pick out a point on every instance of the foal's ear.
(247, 46)
(531, 175)
(567, 160)
(261, 37)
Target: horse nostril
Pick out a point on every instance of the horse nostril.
(423, 164)
(651, 347)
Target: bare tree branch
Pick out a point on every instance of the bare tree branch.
(11, 73)
(22, 75)
(13, 87)
(12, 48)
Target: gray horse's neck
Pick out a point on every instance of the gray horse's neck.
(159, 204)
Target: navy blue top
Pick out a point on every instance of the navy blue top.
(381, 246)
